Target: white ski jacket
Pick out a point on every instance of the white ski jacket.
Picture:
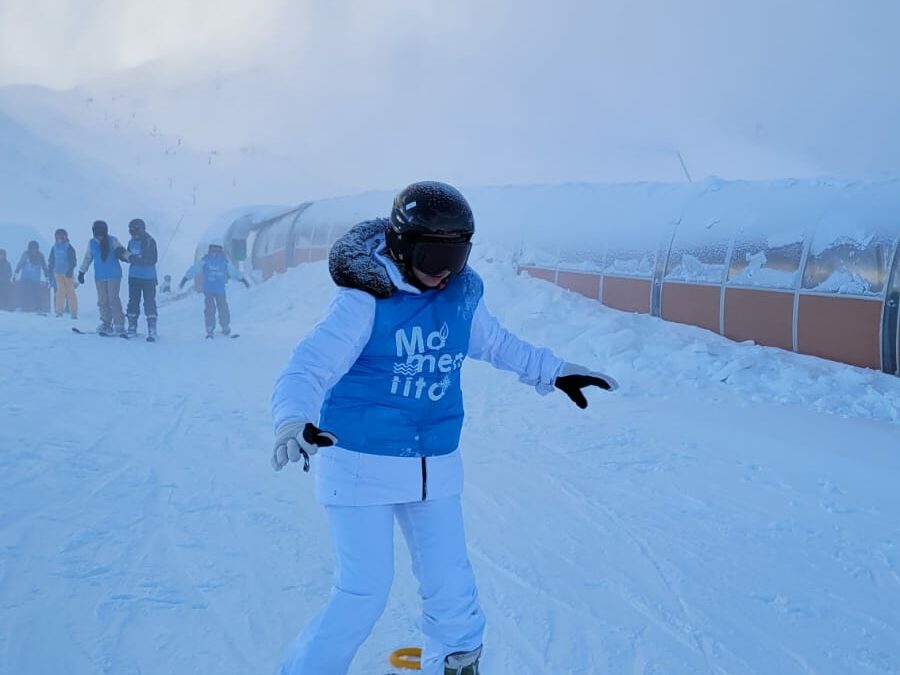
(325, 355)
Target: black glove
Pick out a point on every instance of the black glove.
(245, 282)
(575, 378)
(81, 277)
(183, 282)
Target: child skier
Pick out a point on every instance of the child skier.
(141, 256)
(104, 251)
(6, 285)
(216, 269)
(33, 269)
(61, 263)
(375, 390)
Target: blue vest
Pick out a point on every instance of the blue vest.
(215, 274)
(60, 258)
(402, 397)
(31, 271)
(104, 270)
(139, 271)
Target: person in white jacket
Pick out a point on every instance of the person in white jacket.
(374, 391)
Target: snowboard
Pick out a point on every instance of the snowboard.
(406, 658)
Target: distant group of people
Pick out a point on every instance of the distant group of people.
(106, 254)
(31, 272)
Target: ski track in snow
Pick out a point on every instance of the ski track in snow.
(732, 510)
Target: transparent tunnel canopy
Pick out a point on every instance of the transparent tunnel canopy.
(588, 259)
(320, 234)
(301, 232)
(581, 254)
(699, 251)
(767, 259)
(540, 256)
(273, 237)
(632, 251)
(849, 258)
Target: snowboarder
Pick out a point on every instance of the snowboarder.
(215, 269)
(62, 262)
(105, 251)
(6, 287)
(142, 256)
(375, 390)
(32, 266)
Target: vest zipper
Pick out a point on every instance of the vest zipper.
(424, 480)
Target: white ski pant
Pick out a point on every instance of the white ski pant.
(363, 540)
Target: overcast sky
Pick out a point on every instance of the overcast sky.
(478, 91)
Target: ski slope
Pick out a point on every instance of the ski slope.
(732, 509)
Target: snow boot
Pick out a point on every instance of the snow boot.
(104, 329)
(463, 663)
(151, 329)
(132, 325)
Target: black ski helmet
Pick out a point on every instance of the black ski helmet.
(430, 228)
(137, 226)
(100, 228)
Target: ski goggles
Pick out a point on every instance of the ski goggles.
(434, 256)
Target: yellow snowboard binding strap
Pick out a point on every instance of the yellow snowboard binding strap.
(409, 658)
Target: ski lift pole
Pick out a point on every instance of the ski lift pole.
(169, 244)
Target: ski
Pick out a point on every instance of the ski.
(94, 332)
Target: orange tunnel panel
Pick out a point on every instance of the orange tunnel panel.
(627, 294)
(539, 273)
(693, 304)
(840, 328)
(585, 283)
(766, 317)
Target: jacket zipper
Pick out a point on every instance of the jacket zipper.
(424, 480)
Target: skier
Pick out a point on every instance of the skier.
(32, 265)
(104, 251)
(62, 262)
(375, 390)
(216, 269)
(6, 273)
(142, 256)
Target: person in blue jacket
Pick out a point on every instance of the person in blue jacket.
(374, 390)
(61, 263)
(141, 256)
(32, 269)
(215, 269)
(105, 252)
(6, 287)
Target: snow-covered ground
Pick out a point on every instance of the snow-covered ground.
(732, 509)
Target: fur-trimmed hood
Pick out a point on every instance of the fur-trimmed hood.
(352, 262)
